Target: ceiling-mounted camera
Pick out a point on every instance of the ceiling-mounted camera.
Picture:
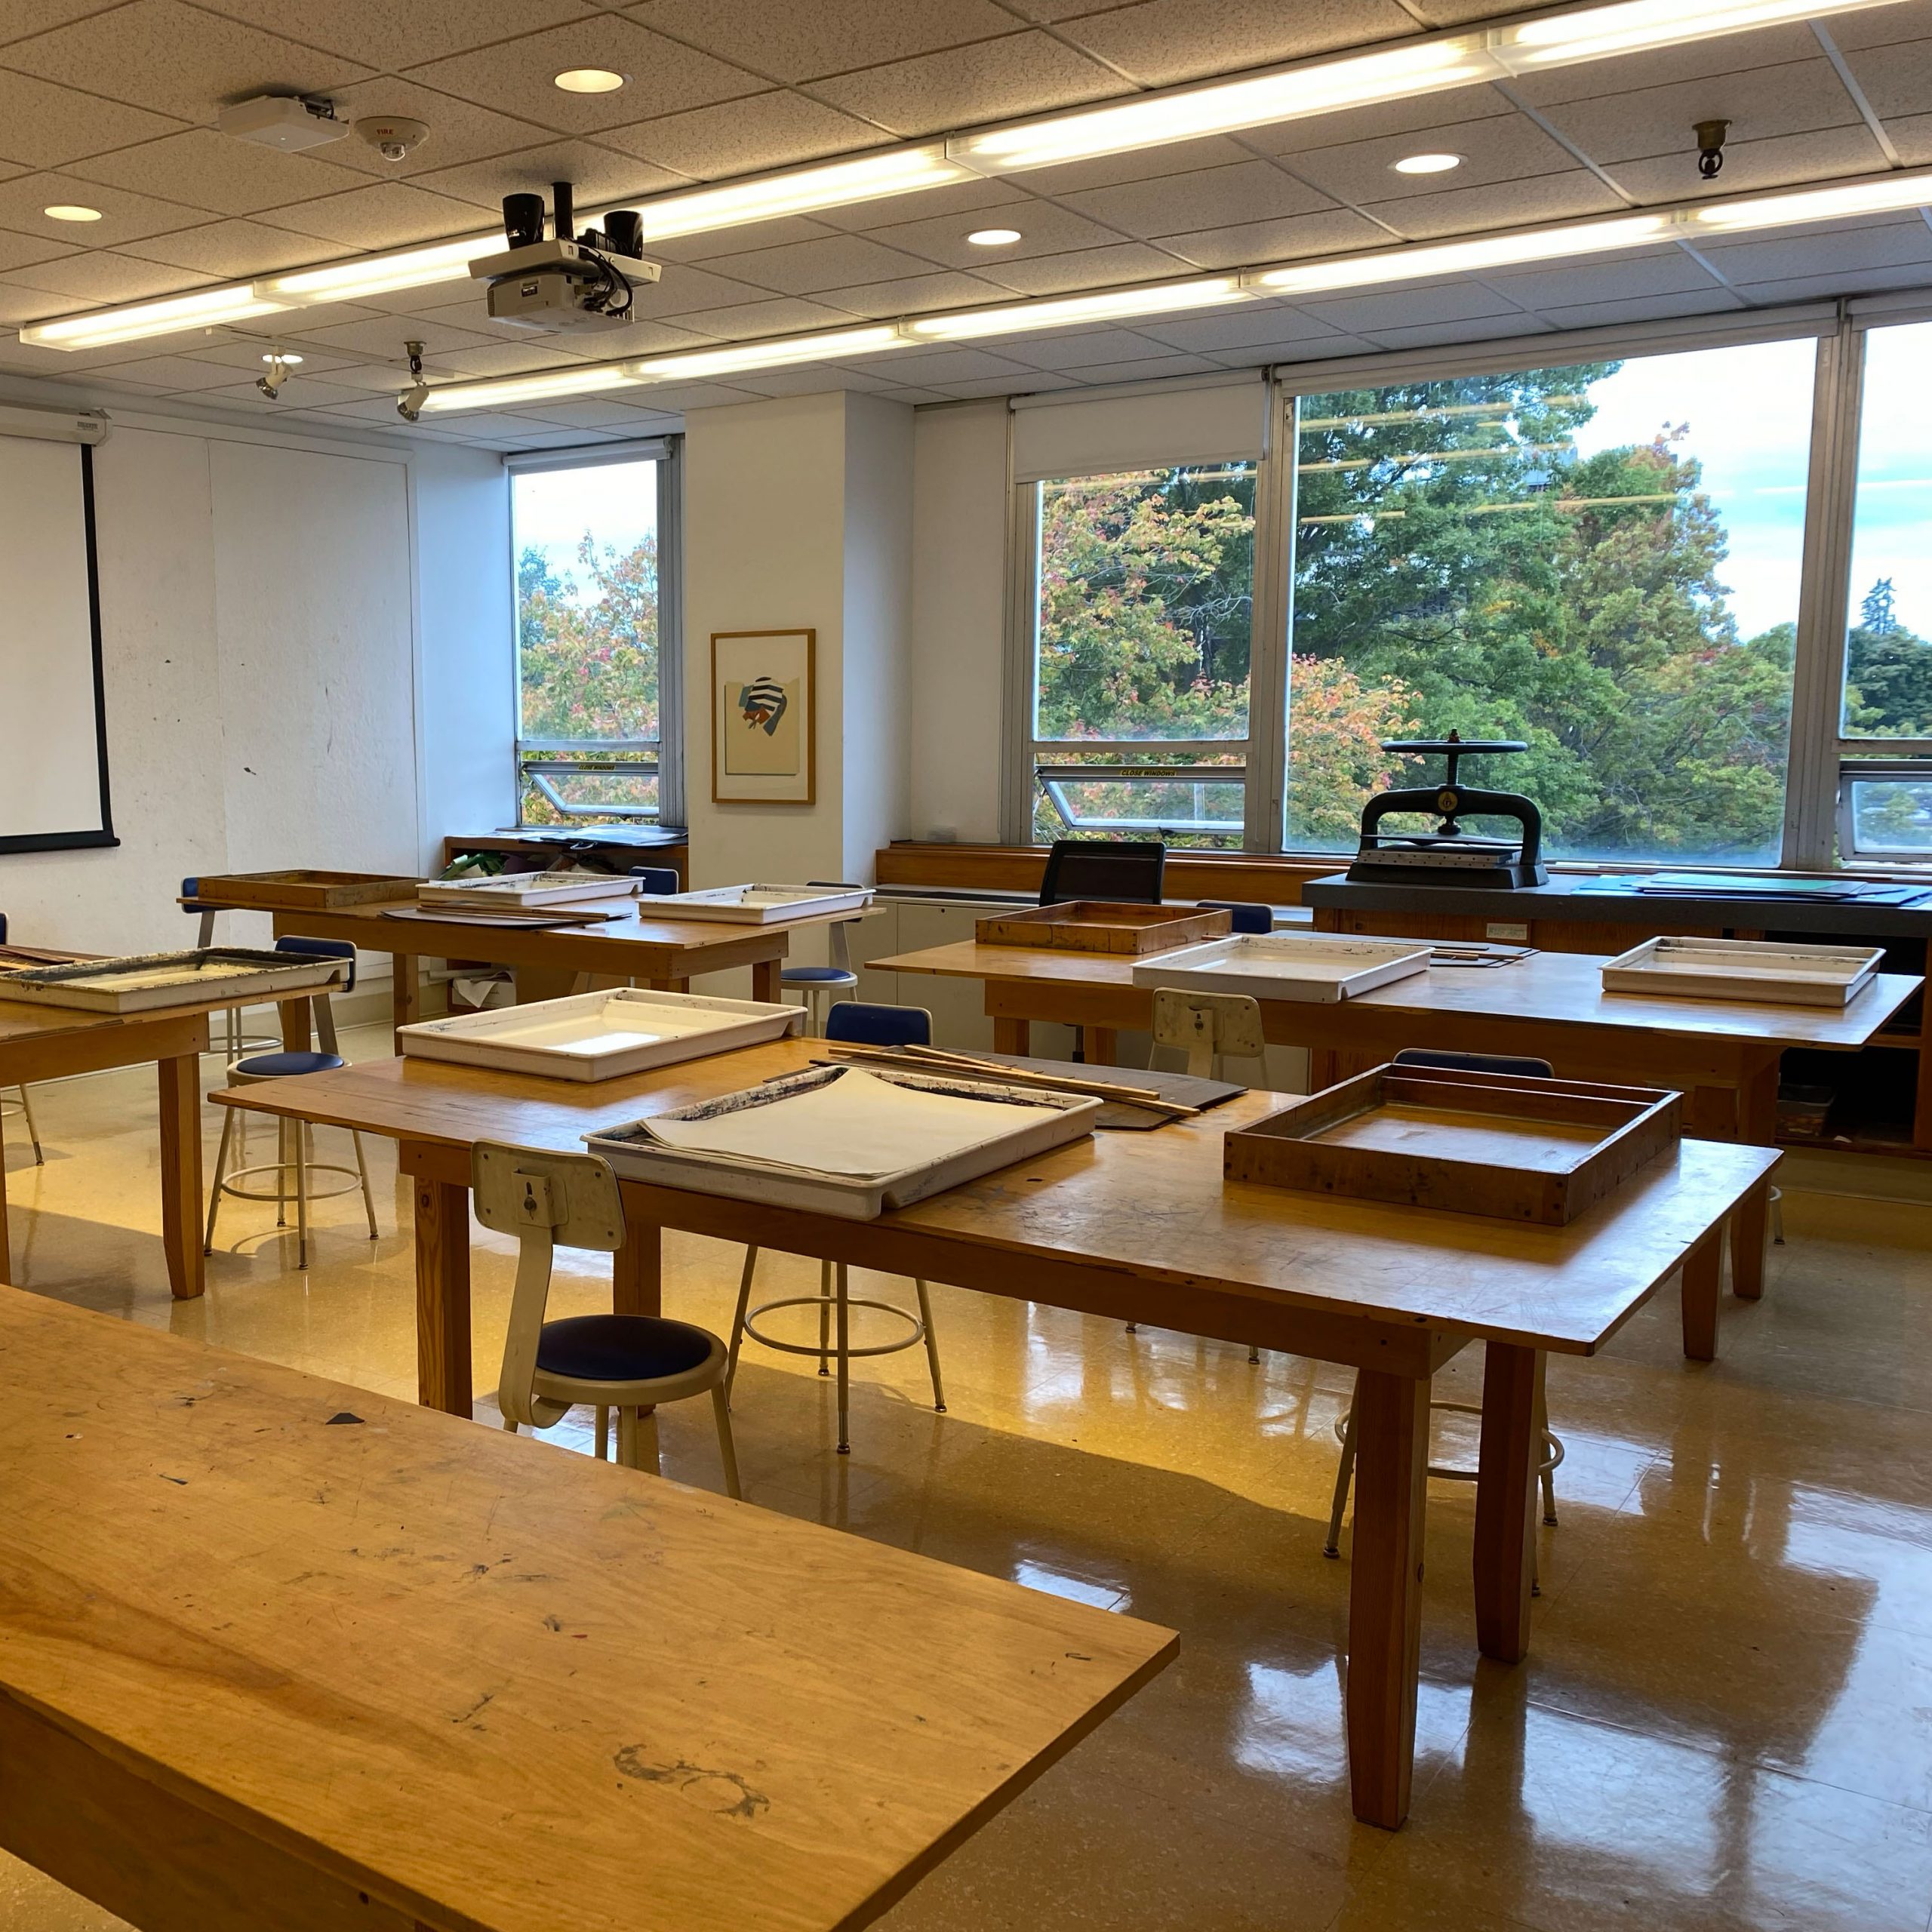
(571, 280)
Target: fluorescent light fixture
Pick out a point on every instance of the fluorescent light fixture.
(70, 211)
(1887, 193)
(588, 80)
(994, 237)
(742, 358)
(134, 321)
(1427, 164)
(1489, 251)
(546, 385)
(1162, 298)
(379, 274)
(1595, 33)
(836, 184)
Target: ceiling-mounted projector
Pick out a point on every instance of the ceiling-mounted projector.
(287, 122)
(569, 281)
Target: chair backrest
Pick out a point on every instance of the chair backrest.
(860, 1023)
(191, 888)
(547, 1201)
(1129, 870)
(323, 948)
(656, 880)
(1206, 1025)
(1247, 916)
(1520, 1064)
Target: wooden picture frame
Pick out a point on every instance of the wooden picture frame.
(765, 717)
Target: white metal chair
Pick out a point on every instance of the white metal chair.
(630, 1363)
(869, 1026)
(294, 1154)
(21, 1105)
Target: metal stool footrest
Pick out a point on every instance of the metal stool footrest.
(352, 1182)
(1552, 1444)
(830, 1302)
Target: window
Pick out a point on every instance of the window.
(1142, 624)
(1602, 559)
(596, 660)
(1885, 799)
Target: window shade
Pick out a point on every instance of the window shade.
(1150, 429)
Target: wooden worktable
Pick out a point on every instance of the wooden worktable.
(51, 1042)
(1723, 1054)
(277, 1651)
(1139, 1227)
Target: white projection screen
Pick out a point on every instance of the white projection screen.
(52, 724)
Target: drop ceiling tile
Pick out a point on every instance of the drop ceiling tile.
(1912, 136)
(124, 218)
(1427, 118)
(1269, 323)
(684, 289)
(1435, 335)
(1877, 26)
(506, 358)
(44, 126)
(1038, 382)
(681, 396)
(21, 305)
(385, 214)
(516, 76)
(784, 232)
(247, 354)
(20, 251)
(101, 276)
(812, 381)
(1209, 198)
(1864, 281)
(1712, 59)
(792, 42)
(394, 34)
(204, 170)
(1896, 78)
(171, 372)
(384, 336)
(1084, 268)
(1849, 251)
(1139, 164)
(916, 398)
(1561, 197)
(592, 413)
(302, 392)
(1052, 11)
(461, 302)
(1024, 73)
(942, 367)
(1332, 232)
(1152, 369)
(1752, 164)
(641, 338)
(20, 18)
(743, 320)
(835, 261)
(916, 295)
(763, 130)
(1706, 301)
(601, 176)
(1160, 42)
(176, 60)
(1495, 147)
(1077, 349)
(1666, 271)
(230, 251)
(1302, 348)
(1045, 228)
(459, 131)
(1445, 302)
(957, 199)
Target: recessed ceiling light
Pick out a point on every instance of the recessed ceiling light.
(70, 211)
(590, 80)
(994, 237)
(288, 356)
(1427, 164)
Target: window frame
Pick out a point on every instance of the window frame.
(533, 760)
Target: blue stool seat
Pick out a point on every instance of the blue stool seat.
(274, 1066)
(620, 1348)
(818, 975)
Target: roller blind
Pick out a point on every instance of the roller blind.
(1145, 429)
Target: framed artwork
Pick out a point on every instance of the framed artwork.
(764, 717)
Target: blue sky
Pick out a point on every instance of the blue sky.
(617, 502)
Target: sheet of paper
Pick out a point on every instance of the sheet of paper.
(856, 1124)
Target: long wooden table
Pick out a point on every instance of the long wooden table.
(51, 1042)
(276, 1651)
(1139, 1227)
(1722, 1054)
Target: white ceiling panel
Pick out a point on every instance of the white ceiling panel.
(384, 336)
(835, 261)
(228, 250)
(1440, 302)
(384, 214)
(1494, 147)
(1851, 149)
(396, 34)
(124, 218)
(1639, 309)
(204, 170)
(1553, 197)
(990, 80)
(1080, 349)
(792, 42)
(1850, 252)
(1086, 268)
(600, 175)
(1670, 66)
(1332, 232)
(1214, 197)
(1896, 78)
(1243, 329)
(774, 130)
(945, 289)
(1659, 272)
(1430, 334)
(459, 130)
(77, 281)
(1159, 42)
(784, 316)
(45, 126)
(1045, 228)
(1162, 368)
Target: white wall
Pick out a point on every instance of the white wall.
(959, 515)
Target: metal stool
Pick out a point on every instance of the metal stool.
(873, 1026)
(21, 1104)
(629, 1363)
(237, 1040)
(819, 986)
(292, 1136)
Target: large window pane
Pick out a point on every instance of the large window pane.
(587, 659)
(1602, 559)
(1888, 647)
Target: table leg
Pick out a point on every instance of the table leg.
(1012, 1036)
(6, 1239)
(443, 1380)
(1750, 1232)
(405, 989)
(1505, 1500)
(637, 1270)
(766, 985)
(1385, 1595)
(1702, 1267)
(181, 1205)
(1757, 1104)
(1103, 1045)
(295, 1019)
(1323, 1068)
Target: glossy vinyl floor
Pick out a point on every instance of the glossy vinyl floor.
(1726, 1719)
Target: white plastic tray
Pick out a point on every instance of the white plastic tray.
(599, 1036)
(146, 982)
(1022, 1122)
(523, 889)
(758, 905)
(1765, 970)
(1320, 967)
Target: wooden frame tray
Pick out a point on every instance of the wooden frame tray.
(302, 889)
(1767, 971)
(1102, 925)
(148, 982)
(600, 1035)
(760, 905)
(1320, 967)
(1515, 1148)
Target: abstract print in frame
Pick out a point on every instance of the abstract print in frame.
(763, 716)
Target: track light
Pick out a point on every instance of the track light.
(280, 362)
(409, 405)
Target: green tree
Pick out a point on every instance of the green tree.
(1888, 673)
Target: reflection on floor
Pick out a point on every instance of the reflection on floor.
(1726, 1720)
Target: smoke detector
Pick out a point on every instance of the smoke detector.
(391, 135)
(287, 121)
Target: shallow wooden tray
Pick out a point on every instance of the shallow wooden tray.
(1514, 1148)
(1102, 925)
(149, 982)
(1319, 968)
(1766, 970)
(302, 889)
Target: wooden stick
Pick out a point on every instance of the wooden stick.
(932, 1061)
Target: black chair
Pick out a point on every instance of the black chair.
(1103, 869)
(1518, 1063)
(657, 881)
